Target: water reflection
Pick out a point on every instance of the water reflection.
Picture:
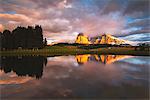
(24, 66)
(80, 76)
(105, 59)
(33, 66)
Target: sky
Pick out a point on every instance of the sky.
(62, 20)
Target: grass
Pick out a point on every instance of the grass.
(74, 50)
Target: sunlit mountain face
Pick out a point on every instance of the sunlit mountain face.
(62, 20)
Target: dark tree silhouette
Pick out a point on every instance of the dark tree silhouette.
(1, 37)
(21, 37)
(38, 36)
(45, 42)
(7, 39)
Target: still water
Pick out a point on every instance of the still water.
(80, 76)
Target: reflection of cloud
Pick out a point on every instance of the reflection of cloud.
(13, 79)
(89, 80)
(61, 59)
(18, 80)
(137, 61)
(95, 71)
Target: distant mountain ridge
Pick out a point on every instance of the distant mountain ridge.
(103, 39)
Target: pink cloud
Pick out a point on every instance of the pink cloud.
(93, 25)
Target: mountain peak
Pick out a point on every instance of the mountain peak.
(103, 39)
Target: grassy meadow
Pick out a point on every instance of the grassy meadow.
(75, 50)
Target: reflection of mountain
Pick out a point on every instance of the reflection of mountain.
(81, 59)
(22, 66)
(106, 59)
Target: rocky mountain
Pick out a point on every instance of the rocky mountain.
(82, 39)
(103, 39)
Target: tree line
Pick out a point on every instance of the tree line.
(22, 37)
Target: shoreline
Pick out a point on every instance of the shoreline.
(68, 50)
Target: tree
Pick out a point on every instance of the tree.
(1, 40)
(7, 39)
(45, 42)
(22, 37)
(38, 37)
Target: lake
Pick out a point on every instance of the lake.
(80, 76)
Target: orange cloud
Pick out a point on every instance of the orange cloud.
(1, 27)
(15, 17)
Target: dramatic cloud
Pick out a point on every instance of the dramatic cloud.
(94, 25)
(60, 19)
(140, 23)
(113, 6)
(55, 25)
(136, 6)
(138, 37)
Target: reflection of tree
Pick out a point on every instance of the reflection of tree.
(22, 66)
(106, 59)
